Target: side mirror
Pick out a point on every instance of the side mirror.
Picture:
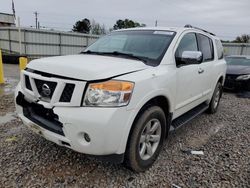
(190, 57)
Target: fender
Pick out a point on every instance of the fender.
(154, 93)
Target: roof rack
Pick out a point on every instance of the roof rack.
(190, 26)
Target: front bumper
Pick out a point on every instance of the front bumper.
(108, 128)
(239, 85)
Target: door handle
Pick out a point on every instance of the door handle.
(200, 71)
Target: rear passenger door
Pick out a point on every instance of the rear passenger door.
(206, 46)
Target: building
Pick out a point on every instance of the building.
(7, 20)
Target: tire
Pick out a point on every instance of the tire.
(142, 136)
(214, 103)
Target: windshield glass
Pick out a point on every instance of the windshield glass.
(243, 61)
(149, 45)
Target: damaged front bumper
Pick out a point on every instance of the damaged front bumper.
(89, 130)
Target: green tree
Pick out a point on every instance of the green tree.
(82, 26)
(97, 29)
(242, 39)
(123, 24)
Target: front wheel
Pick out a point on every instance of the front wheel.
(146, 139)
(214, 103)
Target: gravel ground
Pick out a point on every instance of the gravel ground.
(28, 160)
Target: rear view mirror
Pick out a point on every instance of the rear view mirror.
(190, 57)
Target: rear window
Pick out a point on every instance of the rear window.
(206, 47)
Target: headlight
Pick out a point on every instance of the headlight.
(110, 93)
(243, 77)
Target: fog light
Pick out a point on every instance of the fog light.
(86, 137)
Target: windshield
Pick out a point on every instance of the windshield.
(149, 45)
(243, 61)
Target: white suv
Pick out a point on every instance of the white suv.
(121, 97)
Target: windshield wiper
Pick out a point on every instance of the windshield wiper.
(89, 52)
(116, 53)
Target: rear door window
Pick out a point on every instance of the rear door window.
(206, 47)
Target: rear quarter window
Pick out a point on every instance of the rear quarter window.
(206, 47)
(219, 48)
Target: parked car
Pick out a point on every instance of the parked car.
(121, 97)
(238, 73)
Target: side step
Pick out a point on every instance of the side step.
(188, 116)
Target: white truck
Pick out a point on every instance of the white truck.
(121, 97)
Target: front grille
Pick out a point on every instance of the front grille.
(45, 88)
(67, 93)
(231, 77)
(230, 84)
(27, 83)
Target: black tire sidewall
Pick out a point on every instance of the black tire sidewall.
(154, 112)
(213, 109)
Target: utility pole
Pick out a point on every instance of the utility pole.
(156, 22)
(19, 35)
(36, 17)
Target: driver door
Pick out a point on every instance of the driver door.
(188, 88)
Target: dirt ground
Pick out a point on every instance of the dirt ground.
(28, 160)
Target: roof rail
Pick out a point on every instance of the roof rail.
(190, 26)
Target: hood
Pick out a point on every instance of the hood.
(86, 67)
(238, 69)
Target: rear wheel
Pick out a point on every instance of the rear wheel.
(146, 139)
(214, 103)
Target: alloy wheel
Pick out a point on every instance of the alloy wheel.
(150, 139)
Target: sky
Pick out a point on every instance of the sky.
(226, 18)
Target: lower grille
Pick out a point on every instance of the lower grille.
(43, 117)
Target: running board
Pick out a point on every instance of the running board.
(188, 116)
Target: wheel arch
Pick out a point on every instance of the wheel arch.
(221, 79)
(161, 101)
